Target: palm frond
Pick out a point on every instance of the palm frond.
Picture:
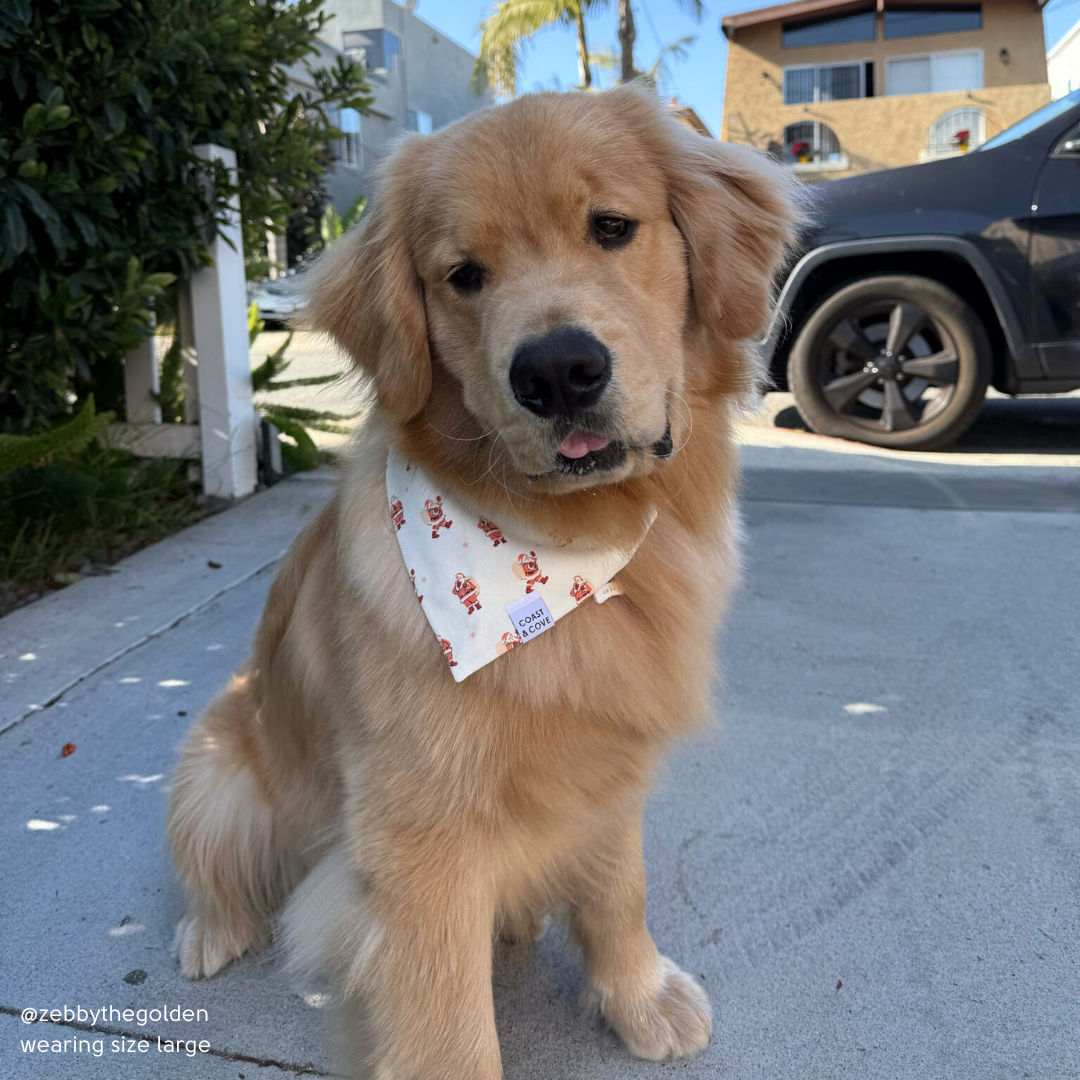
(288, 384)
(272, 411)
(505, 33)
(694, 8)
(673, 50)
(606, 59)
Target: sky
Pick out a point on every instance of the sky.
(550, 62)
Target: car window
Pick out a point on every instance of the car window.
(1035, 120)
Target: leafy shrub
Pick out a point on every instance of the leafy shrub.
(101, 194)
(68, 515)
(332, 226)
(19, 450)
(298, 450)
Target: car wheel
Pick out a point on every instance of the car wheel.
(898, 361)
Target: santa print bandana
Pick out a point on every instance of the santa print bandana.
(484, 589)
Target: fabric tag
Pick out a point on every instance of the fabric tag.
(606, 592)
(530, 616)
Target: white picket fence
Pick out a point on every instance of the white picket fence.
(221, 427)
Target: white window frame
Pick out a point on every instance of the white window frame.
(860, 64)
(353, 140)
(929, 154)
(420, 128)
(838, 165)
(889, 60)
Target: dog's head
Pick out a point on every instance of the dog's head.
(553, 279)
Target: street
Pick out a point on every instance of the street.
(871, 857)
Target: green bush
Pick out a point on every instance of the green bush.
(298, 449)
(101, 196)
(66, 516)
(64, 439)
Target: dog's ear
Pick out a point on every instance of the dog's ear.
(365, 291)
(739, 213)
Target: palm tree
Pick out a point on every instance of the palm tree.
(510, 25)
(512, 22)
(628, 32)
(679, 49)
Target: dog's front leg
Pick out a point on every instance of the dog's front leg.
(657, 1009)
(424, 1004)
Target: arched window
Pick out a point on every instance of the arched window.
(810, 142)
(956, 131)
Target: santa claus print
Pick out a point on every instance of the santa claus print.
(580, 589)
(397, 511)
(433, 515)
(468, 592)
(528, 569)
(508, 641)
(412, 578)
(448, 652)
(491, 531)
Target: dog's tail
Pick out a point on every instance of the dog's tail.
(235, 866)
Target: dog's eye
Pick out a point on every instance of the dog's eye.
(468, 278)
(610, 231)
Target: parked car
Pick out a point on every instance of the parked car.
(280, 299)
(922, 286)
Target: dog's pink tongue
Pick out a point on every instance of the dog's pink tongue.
(581, 443)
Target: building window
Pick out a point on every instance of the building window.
(375, 50)
(350, 149)
(955, 132)
(811, 144)
(935, 73)
(416, 120)
(834, 82)
(902, 22)
(835, 31)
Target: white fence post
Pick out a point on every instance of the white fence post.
(277, 250)
(223, 373)
(141, 383)
(185, 330)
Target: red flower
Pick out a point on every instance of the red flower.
(800, 148)
(961, 136)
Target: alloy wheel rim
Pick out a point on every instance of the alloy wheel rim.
(887, 366)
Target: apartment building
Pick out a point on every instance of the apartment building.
(835, 88)
(1063, 64)
(419, 77)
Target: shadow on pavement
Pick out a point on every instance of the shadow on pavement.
(1044, 425)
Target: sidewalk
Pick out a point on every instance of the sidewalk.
(872, 863)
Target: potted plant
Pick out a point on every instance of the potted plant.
(800, 151)
(962, 140)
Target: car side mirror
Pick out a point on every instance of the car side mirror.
(1068, 146)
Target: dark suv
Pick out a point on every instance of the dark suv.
(921, 286)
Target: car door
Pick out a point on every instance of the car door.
(1054, 255)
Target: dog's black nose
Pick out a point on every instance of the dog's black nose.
(560, 373)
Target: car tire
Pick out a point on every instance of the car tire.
(897, 360)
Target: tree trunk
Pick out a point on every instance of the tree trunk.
(627, 34)
(583, 50)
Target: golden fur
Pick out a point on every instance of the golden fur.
(403, 817)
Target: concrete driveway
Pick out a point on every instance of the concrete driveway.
(872, 859)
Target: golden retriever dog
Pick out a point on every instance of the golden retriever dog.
(553, 300)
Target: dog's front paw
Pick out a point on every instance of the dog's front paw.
(203, 949)
(669, 1018)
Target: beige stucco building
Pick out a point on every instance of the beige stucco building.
(836, 88)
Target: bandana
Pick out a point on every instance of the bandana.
(484, 589)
